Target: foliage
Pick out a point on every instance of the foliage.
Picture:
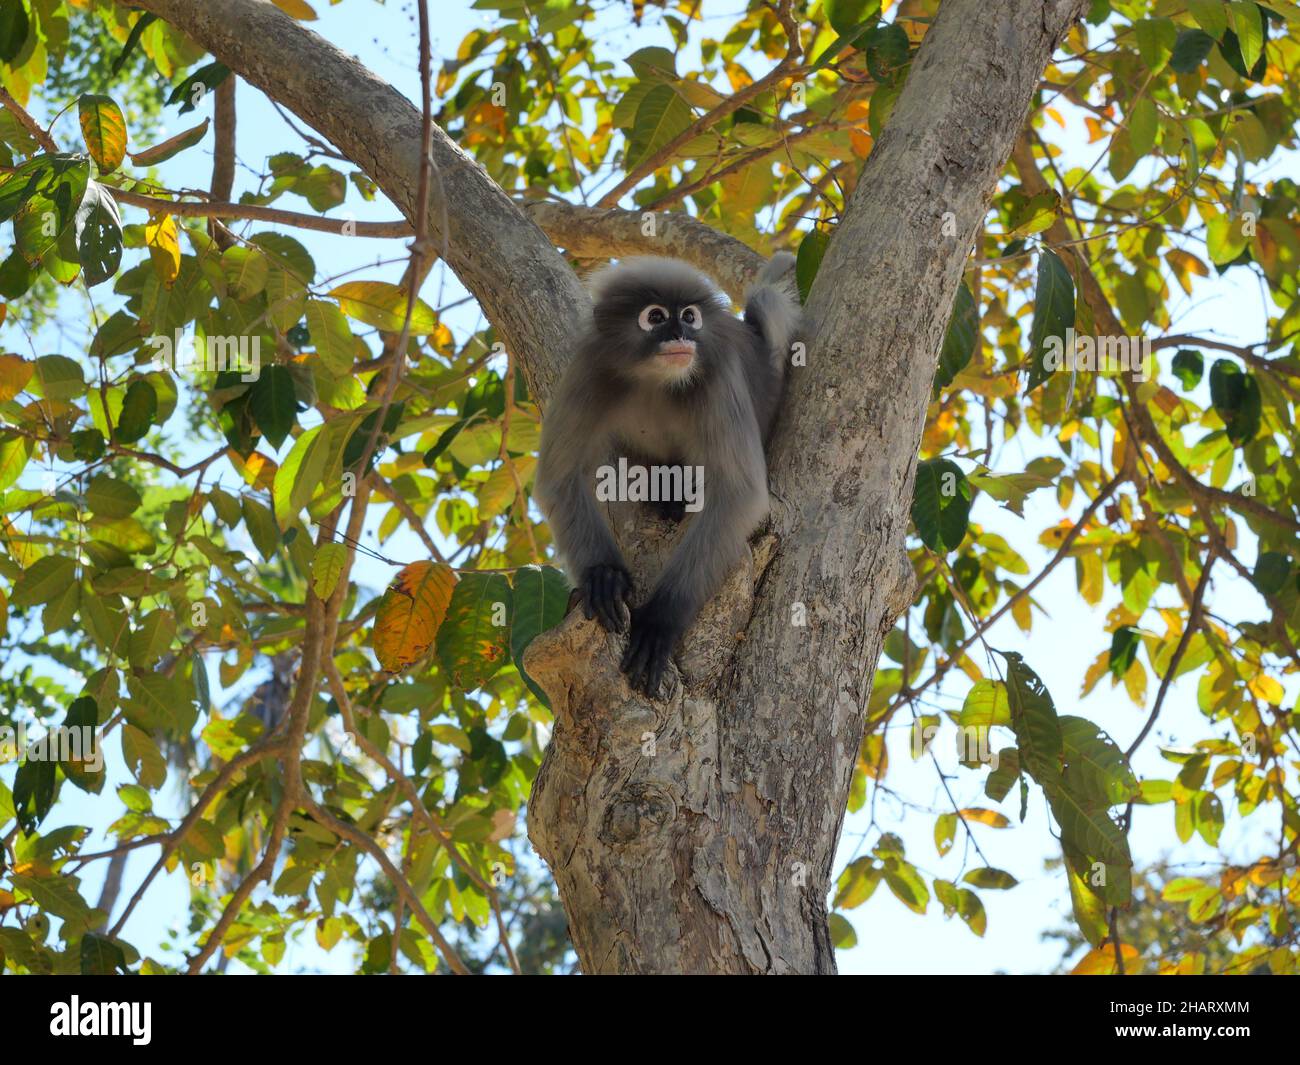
(129, 571)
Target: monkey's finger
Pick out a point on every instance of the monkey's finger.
(633, 662)
(655, 671)
(608, 606)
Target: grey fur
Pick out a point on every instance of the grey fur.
(614, 401)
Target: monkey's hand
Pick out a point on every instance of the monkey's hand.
(655, 632)
(605, 590)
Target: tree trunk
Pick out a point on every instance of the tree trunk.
(696, 834)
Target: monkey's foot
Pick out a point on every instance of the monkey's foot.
(605, 590)
(649, 647)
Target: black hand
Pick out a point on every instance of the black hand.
(604, 591)
(654, 637)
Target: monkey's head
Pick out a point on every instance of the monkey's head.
(654, 317)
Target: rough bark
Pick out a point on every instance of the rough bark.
(713, 853)
(696, 834)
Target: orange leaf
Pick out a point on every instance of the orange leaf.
(411, 612)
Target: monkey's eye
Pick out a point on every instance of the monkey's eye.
(652, 316)
(691, 316)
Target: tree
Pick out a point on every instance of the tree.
(369, 788)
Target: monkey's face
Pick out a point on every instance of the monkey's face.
(658, 336)
(670, 335)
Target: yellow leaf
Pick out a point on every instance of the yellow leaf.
(15, 372)
(411, 612)
(299, 9)
(1265, 687)
(163, 240)
(1021, 612)
(981, 816)
(1135, 683)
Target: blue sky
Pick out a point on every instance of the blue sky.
(1060, 648)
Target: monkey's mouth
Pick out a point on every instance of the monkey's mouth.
(676, 352)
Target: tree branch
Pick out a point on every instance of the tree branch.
(498, 253)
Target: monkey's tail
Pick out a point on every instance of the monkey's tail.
(772, 307)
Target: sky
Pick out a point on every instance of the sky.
(891, 939)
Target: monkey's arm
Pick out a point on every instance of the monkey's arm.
(735, 502)
(565, 491)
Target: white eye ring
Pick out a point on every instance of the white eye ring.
(643, 319)
(691, 316)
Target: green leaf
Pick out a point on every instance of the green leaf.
(846, 15)
(1236, 398)
(1210, 15)
(1143, 125)
(1156, 38)
(941, 504)
(332, 336)
(14, 27)
(14, 453)
(100, 956)
(1033, 717)
(1272, 572)
(133, 39)
(1124, 646)
(43, 580)
(103, 127)
(987, 877)
(809, 260)
(887, 50)
(1190, 50)
(907, 885)
(1188, 366)
(160, 153)
(474, 637)
(110, 498)
(541, 597)
(959, 340)
(246, 270)
(139, 408)
(143, 757)
(842, 935)
(192, 91)
(150, 641)
(58, 377)
(274, 404)
(1247, 24)
(1053, 316)
(299, 475)
(1095, 768)
(661, 116)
